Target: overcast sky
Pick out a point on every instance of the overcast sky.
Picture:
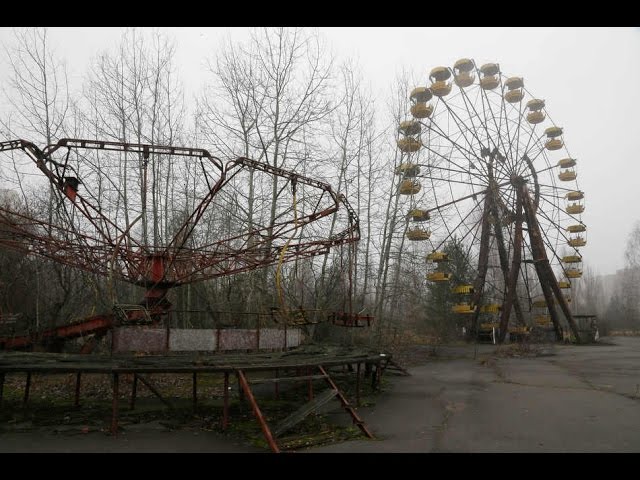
(588, 77)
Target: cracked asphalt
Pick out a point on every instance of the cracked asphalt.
(571, 399)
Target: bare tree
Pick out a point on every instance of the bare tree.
(38, 89)
(353, 173)
(393, 224)
(271, 97)
(134, 96)
(38, 96)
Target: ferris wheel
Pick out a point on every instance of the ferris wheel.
(483, 164)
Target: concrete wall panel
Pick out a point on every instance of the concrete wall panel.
(189, 340)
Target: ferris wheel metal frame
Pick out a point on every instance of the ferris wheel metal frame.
(483, 145)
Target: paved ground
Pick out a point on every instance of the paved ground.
(576, 399)
(572, 399)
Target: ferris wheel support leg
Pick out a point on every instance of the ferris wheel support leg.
(518, 309)
(547, 278)
(512, 279)
(548, 296)
(504, 266)
(539, 258)
(565, 308)
(483, 266)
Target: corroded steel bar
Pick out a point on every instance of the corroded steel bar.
(97, 324)
(96, 252)
(76, 400)
(114, 406)
(345, 404)
(145, 149)
(256, 411)
(240, 390)
(225, 408)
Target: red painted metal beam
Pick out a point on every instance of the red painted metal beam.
(177, 264)
(97, 324)
(345, 404)
(256, 411)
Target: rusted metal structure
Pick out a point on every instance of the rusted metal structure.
(282, 367)
(160, 217)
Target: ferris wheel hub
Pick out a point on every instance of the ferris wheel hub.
(517, 180)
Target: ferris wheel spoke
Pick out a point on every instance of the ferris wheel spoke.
(444, 134)
(483, 120)
(534, 154)
(445, 169)
(519, 160)
(546, 240)
(555, 187)
(549, 226)
(555, 224)
(508, 200)
(476, 230)
(513, 141)
(463, 222)
(463, 129)
(518, 130)
(450, 232)
(451, 180)
(501, 119)
(531, 137)
(531, 173)
(474, 129)
(460, 170)
(485, 98)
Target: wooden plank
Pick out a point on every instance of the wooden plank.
(73, 363)
(286, 379)
(302, 413)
